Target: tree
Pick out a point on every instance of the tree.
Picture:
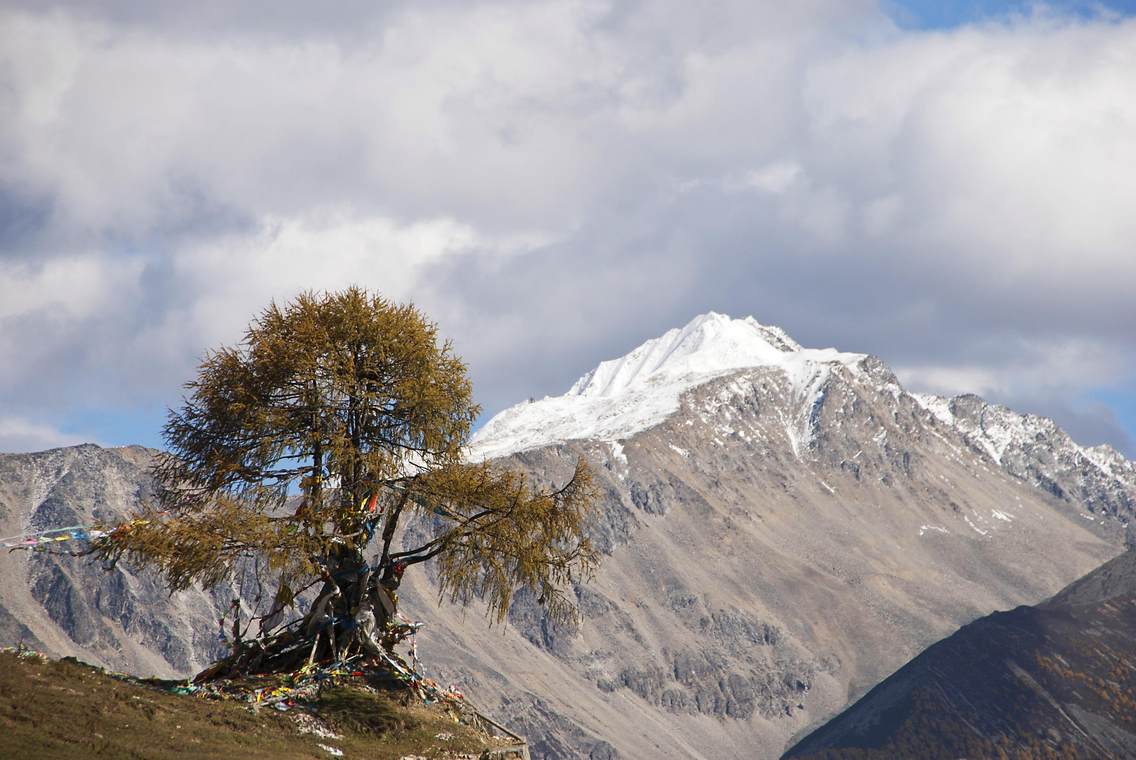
(331, 436)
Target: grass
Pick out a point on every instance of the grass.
(68, 710)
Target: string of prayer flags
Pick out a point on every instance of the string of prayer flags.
(55, 535)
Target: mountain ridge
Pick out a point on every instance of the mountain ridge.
(1035, 449)
(895, 514)
(712, 345)
(623, 396)
(1054, 680)
(774, 544)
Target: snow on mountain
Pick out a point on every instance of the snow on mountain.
(1036, 450)
(939, 406)
(994, 428)
(624, 396)
(640, 390)
(794, 528)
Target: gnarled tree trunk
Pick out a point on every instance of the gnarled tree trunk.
(355, 612)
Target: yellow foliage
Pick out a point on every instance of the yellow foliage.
(328, 399)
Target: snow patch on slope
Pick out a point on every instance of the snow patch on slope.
(938, 406)
(1036, 450)
(624, 396)
(997, 429)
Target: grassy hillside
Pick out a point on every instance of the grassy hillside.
(69, 710)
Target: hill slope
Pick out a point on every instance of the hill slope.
(1055, 680)
(782, 528)
(65, 710)
(780, 538)
(69, 606)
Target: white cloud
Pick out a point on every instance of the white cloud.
(636, 163)
(47, 309)
(19, 435)
(1052, 368)
(1004, 145)
(775, 178)
(516, 114)
(65, 288)
(235, 276)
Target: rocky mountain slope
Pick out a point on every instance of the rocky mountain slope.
(782, 528)
(782, 525)
(1055, 680)
(1036, 450)
(71, 606)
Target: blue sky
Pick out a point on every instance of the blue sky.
(948, 14)
(555, 182)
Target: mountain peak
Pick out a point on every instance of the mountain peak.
(623, 396)
(709, 344)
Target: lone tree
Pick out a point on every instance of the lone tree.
(335, 424)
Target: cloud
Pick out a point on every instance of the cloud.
(1016, 367)
(943, 198)
(20, 435)
(510, 114)
(53, 316)
(556, 182)
(237, 275)
(78, 328)
(67, 288)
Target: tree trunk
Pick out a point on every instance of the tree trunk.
(355, 612)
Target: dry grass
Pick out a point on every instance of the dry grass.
(68, 710)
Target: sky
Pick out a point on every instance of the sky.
(946, 185)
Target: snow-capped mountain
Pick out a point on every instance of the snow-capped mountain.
(624, 396)
(782, 527)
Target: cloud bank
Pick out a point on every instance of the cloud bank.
(555, 182)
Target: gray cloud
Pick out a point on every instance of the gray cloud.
(216, 18)
(557, 182)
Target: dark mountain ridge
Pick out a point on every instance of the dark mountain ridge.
(1056, 680)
